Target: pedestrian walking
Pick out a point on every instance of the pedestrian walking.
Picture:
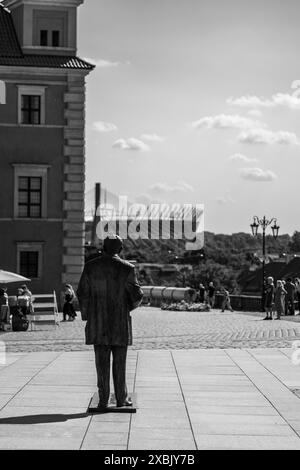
(211, 290)
(290, 296)
(68, 308)
(226, 300)
(23, 308)
(3, 297)
(263, 298)
(201, 293)
(4, 308)
(269, 298)
(280, 294)
(297, 285)
(25, 300)
(285, 302)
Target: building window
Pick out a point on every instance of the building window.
(29, 259)
(44, 37)
(31, 105)
(55, 38)
(30, 196)
(30, 109)
(29, 264)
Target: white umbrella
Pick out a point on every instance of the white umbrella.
(6, 277)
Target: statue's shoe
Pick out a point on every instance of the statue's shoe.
(102, 406)
(127, 402)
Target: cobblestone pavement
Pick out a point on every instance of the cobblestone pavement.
(156, 329)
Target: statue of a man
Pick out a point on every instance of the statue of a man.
(108, 290)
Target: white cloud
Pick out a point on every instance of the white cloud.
(238, 157)
(257, 174)
(161, 188)
(255, 113)
(225, 200)
(101, 126)
(143, 199)
(265, 136)
(146, 199)
(164, 188)
(226, 121)
(296, 86)
(131, 144)
(249, 101)
(289, 101)
(153, 137)
(279, 99)
(185, 187)
(102, 62)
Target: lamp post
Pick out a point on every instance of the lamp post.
(264, 223)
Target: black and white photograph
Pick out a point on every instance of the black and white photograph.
(149, 228)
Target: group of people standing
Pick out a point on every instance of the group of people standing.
(208, 296)
(280, 299)
(21, 305)
(16, 309)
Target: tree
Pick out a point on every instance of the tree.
(294, 245)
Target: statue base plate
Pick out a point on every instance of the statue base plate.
(112, 405)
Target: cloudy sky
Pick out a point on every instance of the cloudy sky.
(192, 102)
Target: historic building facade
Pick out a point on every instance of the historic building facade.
(42, 146)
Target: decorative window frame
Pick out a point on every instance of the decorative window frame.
(21, 169)
(31, 246)
(34, 91)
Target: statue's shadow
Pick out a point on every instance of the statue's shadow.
(42, 418)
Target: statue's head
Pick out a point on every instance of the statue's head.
(113, 245)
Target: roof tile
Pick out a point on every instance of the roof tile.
(49, 61)
(9, 45)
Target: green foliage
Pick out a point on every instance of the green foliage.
(294, 245)
(220, 274)
(226, 256)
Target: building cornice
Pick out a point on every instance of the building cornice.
(21, 70)
(33, 126)
(51, 3)
(41, 49)
(29, 219)
(32, 166)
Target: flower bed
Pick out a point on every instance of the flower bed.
(184, 306)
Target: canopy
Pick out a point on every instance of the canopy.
(6, 277)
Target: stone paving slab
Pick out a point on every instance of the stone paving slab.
(187, 400)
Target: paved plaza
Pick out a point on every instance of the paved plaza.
(157, 329)
(187, 399)
(203, 381)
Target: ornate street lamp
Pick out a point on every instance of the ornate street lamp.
(275, 229)
(254, 228)
(264, 223)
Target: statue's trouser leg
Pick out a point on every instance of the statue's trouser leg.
(119, 372)
(102, 356)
